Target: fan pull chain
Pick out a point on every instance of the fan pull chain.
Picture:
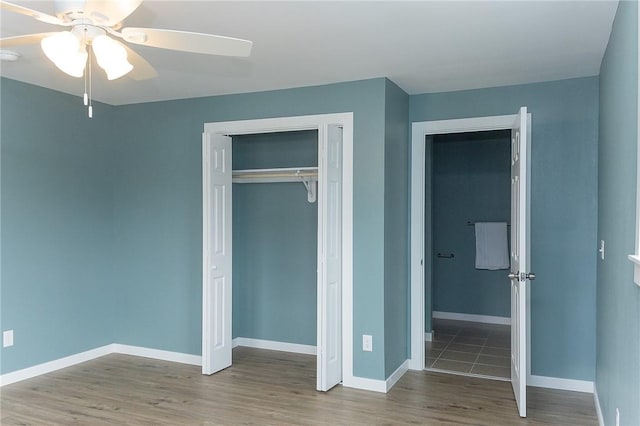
(86, 98)
(90, 104)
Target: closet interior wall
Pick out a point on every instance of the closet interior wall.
(275, 240)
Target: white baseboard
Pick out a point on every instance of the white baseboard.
(114, 348)
(57, 364)
(559, 383)
(382, 386)
(596, 400)
(362, 383)
(428, 337)
(157, 354)
(486, 319)
(393, 378)
(274, 346)
(365, 384)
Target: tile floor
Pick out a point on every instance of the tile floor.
(470, 347)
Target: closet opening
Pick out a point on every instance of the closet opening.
(468, 199)
(277, 239)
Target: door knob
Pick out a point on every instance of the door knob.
(521, 276)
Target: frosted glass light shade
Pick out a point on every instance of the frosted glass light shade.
(111, 57)
(66, 52)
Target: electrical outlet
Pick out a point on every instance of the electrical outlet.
(7, 338)
(617, 417)
(367, 343)
(601, 249)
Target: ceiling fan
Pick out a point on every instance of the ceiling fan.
(94, 27)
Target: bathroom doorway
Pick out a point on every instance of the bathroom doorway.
(470, 292)
(422, 249)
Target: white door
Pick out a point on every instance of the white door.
(520, 166)
(329, 360)
(217, 266)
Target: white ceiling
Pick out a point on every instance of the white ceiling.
(423, 46)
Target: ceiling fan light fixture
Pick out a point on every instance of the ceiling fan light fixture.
(117, 70)
(66, 52)
(111, 57)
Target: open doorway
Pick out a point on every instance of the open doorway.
(470, 297)
(422, 248)
(330, 185)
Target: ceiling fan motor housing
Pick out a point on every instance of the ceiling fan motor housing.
(71, 10)
(85, 30)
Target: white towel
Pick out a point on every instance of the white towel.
(491, 245)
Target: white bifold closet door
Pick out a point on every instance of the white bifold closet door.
(329, 364)
(217, 251)
(217, 255)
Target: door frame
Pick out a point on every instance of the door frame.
(419, 132)
(296, 123)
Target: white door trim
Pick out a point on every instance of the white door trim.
(311, 122)
(419, 130)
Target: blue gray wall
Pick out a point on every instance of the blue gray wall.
(471, 182)
(563, 210)
(396, 228)
(275, 239)
(149, 210)
(618, 334)
(158, 209)
(56, 268)
(138, 198)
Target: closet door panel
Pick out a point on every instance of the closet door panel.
(217, 262)
(330, 279)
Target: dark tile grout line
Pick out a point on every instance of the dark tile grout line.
(478, 356)
(485, 340)
(445, 348)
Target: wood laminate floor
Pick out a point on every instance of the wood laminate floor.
(267, 387)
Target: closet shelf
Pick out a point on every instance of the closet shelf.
(307, 175)
(290, 174)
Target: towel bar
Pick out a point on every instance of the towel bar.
(446, 255)
(469, 223)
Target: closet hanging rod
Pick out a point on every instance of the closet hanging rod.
(288, 174)
(307, 175)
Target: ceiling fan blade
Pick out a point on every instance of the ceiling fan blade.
(49, 19)
(23, 39)
(142, 70)
(185, 41)
(109, 12)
